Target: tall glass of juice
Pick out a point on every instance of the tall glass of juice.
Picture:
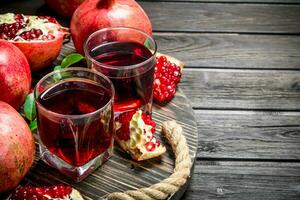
(75, 120)
(127, 57)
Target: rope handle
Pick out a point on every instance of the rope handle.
(162, 190)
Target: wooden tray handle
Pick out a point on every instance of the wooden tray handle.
(162, 190)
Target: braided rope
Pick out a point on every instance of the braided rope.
(168, 186)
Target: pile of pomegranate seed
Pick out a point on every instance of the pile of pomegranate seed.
(13, 31)
(42, 193)
(31, 35)
(124, 119)
(9, 31)
(166, 78)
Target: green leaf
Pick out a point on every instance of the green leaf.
(57, 76)
(71, 59)
(29, 107)
(58, 67)
(33, 125)
(147, 43)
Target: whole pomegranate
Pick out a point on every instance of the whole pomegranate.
(15, 76)
(17, 147)
(93, 15)
(64, 8)
(39, 37)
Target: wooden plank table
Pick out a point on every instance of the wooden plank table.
(242, 77)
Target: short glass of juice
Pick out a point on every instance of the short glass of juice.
(75, 120)
(127, 57)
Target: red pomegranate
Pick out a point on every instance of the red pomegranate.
(64, 8)
(15, 76)
(17, 147)
(93, 15)
(40, 38)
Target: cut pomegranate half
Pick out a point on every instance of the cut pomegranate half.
(39, 37)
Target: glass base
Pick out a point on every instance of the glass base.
(75, 173)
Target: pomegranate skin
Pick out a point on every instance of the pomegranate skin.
(15, 76)
(40, 54)
(17, 147)
(64, 8)
(93, 15)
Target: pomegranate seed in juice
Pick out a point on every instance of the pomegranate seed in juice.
(75, 141)
(133, 85)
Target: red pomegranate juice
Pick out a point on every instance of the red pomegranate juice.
(76, 140)
(128, 66)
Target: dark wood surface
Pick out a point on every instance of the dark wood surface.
(242, 77)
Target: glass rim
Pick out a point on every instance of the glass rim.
(81, 115)
(125, 67)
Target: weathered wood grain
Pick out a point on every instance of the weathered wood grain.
(220, 17)
(244, 180)
(227, 50)
(242, 89)
(232, 50)
(202, 17)
(248, 135)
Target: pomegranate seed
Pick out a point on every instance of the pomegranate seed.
(19, 17)
(157, 143)
(50, 37)
(150, 146)
(49, 19)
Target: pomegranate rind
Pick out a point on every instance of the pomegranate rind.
(17, 148)
(40, 54)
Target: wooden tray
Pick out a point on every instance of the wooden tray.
(121, 173)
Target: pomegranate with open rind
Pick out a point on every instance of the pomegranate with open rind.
(15, 76)
(64, 8)
(134, 133)
(39, 37)
(166, 78)
(17, 147)
(93, 15)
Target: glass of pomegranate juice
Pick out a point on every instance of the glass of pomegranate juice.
(127, 57)
(75, 120)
